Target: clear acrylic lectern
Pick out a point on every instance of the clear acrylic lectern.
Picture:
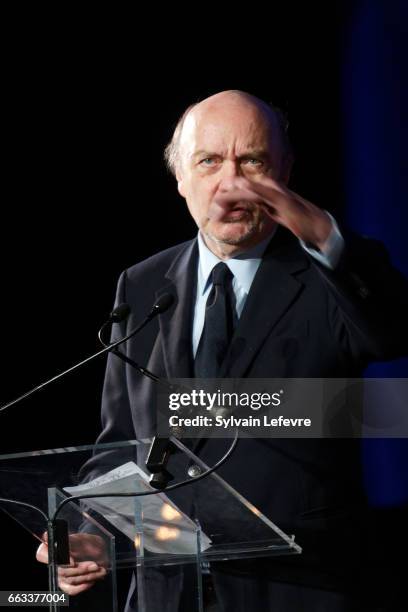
(169, 538)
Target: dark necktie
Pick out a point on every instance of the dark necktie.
(220, 320)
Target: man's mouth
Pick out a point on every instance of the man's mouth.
(236, 212)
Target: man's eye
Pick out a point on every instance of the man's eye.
(253, 161)
(207, 161)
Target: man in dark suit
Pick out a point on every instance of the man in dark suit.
(309, 300)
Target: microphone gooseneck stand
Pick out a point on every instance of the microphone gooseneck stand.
(161, 448)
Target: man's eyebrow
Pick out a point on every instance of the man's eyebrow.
(255, 153)
(263, 153)
(203, 152)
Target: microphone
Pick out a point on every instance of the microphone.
(160, 305)
(160, 448)
(120, 313)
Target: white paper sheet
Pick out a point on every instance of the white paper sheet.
(166, 529)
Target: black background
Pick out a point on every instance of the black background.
(87, 112)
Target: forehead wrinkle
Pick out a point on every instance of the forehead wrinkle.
(238, 126)
(223, 139)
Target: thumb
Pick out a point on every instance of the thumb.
(42, 553)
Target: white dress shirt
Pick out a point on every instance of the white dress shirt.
(244, 268)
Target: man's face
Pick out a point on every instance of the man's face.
(221, 143)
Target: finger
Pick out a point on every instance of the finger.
(84, 540)
(267, 194)
(271, 196)
(87, 547)
(79, 569)
(92, 577)
(266, 182)
(271, 211)
(72, 589)
(42, 553)
(272, 192)
(237, 195)
(283, 216)
(242, 182)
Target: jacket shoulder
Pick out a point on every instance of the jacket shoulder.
(138, 284)
(156, 264)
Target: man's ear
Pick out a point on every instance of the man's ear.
(180, 184)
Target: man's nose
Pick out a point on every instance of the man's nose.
(230, 172)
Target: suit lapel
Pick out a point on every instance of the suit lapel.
(176, 323)
(273, 291)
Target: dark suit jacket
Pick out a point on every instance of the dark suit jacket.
(300, 320)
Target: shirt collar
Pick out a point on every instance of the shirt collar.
(243, 266)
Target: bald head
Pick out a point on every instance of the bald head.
(234, 100)
(222, 109)
(218, 142)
